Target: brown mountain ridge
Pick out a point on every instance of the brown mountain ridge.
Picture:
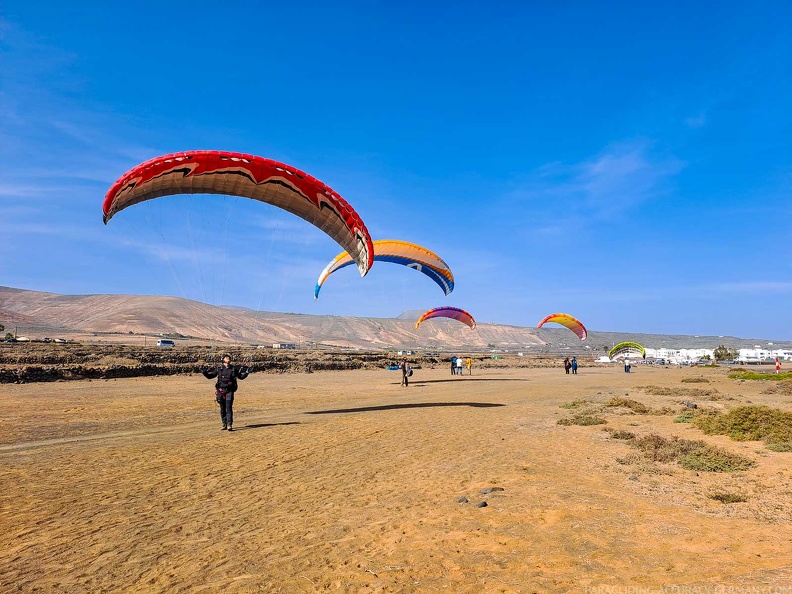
(128, 318)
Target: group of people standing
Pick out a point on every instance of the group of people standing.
(458, 364)
(571, 365)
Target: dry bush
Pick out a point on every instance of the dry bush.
(575, 404)
(621, 434)
(695, 380)
(689, 393)
(657, 390)
(633, 405)
(689, 454)
(783, 387)
(724, 497)
(583, 419)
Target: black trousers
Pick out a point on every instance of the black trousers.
(227, 409)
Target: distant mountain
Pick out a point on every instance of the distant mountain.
(410, 314)
(36, 315)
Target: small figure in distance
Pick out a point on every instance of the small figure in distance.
(225, 387)
(453, 365)
(469, 364)
(567, 365)
(459, 363)
(574, 366)
(406, 372)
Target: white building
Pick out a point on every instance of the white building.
(680, 356)
(763, 355)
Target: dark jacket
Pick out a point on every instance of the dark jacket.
(226, 376)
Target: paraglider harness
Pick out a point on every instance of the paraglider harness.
(226, 383)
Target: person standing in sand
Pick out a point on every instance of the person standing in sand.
(567, 365)
(778, 365)
(406, 371)
(574, 365)
(469, 365)
(459, 363)
(225, 386)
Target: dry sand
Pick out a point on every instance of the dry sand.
(345, 481)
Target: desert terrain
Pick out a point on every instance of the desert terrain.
(345, 481)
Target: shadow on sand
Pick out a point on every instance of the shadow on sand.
(401, 406)
(262, 425)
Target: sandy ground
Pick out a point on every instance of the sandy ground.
(345, 481)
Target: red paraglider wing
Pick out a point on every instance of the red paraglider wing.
(249, 176)
(448, 312)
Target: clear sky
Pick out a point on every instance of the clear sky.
(627, 163)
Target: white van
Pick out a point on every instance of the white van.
(165, 343)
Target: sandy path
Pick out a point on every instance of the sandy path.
(346, 481)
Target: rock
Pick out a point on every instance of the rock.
(462, 500)
(491, 490)
(482, 504)
(633, 478)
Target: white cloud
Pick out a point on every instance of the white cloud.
(622, 176)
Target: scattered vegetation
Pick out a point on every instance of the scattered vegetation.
(621, 434)
(758, 375)
(691, 455)
(712, 459)
(782, 387)
(575, 404)
(686, 416)
(717, 396)
(695, 380)
(657, 390)
(750, 423)
(724, 497)
(689, 393)
(583, 419)
(633, 405)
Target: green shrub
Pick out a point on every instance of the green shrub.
(712, 459)
(758, 375)
(749, 423)
(686, 416)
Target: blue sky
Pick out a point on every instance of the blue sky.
(625, 163)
